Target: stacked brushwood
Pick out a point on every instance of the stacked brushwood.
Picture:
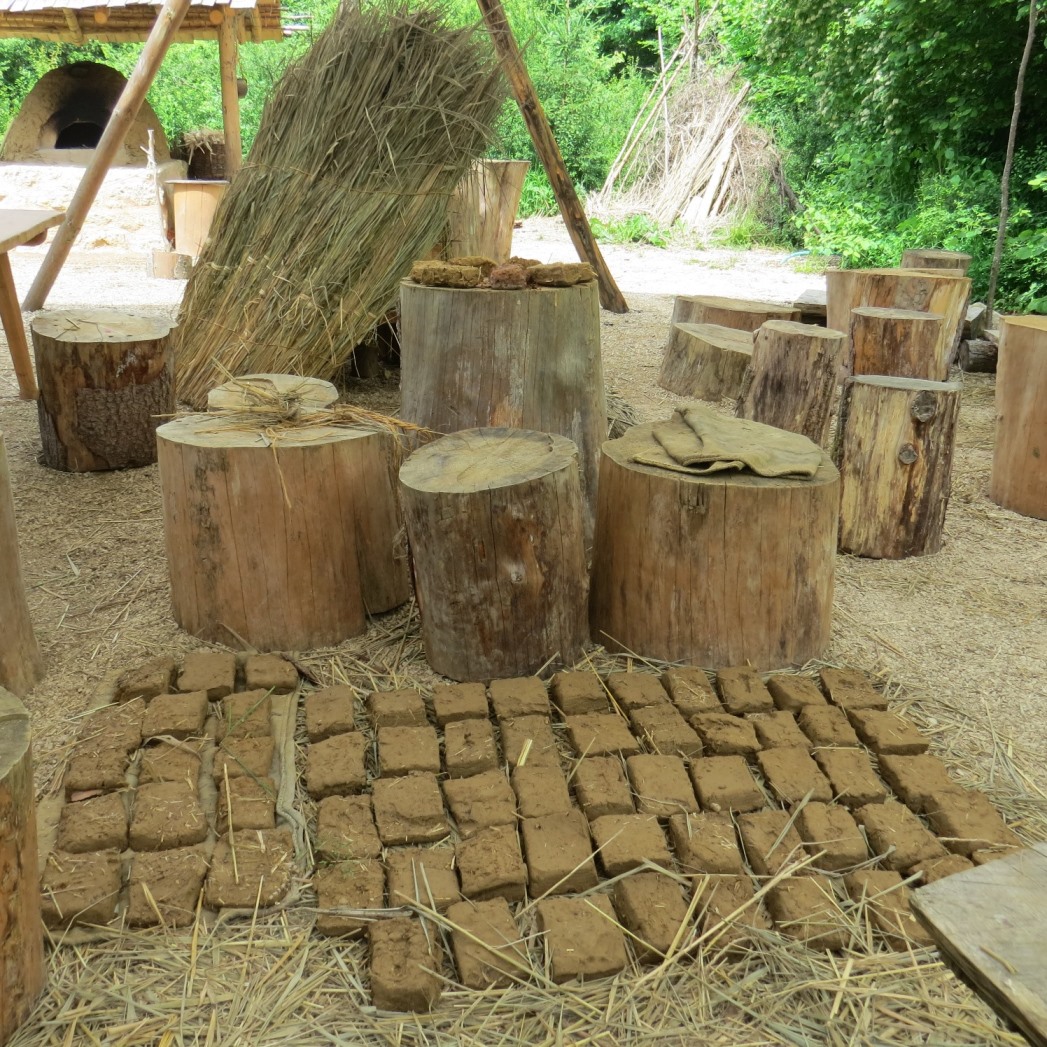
(348, 182)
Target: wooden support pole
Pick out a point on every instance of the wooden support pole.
(124, 113)
(549, 152)
(227, 58)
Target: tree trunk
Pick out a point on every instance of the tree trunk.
(791, 380)
(1019, 462)
(977, 356)
(896, 449)
(715, 569)
(705, 361)
(901, 343)
(106, 379)
(494, 518)
(483, 208)
(740, 313)
(283, 391)
(923, 258)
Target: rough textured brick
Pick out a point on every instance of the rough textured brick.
(917, 781)
(469, 748)
(742, 691)
(793, 693)
(706, 843)
(423, 876)
(691, 692)
(805, 908)
(726, 910)
(661, 785)
(559, 855)
(966, 822)
(725, 735)
(777, 730)
(601, 787)
(897, 836)
(246, 803)
(145, 681)
(852, 777)
(345, 829)
(400, 708)
(210, 671)
(886, 732)
(578, 693)
(626, 841)
(851, 689)
(529, 738)
(490, 864)
(601, 735)
(261, 873)
(886, 902)
(165, 886)
(404, 962)
(521, 696)
(402, 750)
(793, 775)
(636, 690)
(582, 938)
(725, 783)
(768, 846)
(488, 947)
(270, 672)
(409, 810)
(459, 701)
(80, 888)
(336, 766)
(652, 906)
(175, 715)
(833, 835)
(826, 725)
(330, 711)
(663, 730)
(166, 815)
(481, 801)
(540, 790)
(244, 715)
(347, 885)
(98, 823)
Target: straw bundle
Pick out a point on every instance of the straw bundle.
(347, 184)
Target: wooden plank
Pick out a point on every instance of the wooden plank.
(812, 302)
(18, 227)
(991, 922)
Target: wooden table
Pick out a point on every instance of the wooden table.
(18, 228)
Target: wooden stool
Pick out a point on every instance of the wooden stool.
(706, 361)
(899, 343)
(283, 546)
(925, 258)
(106, 381)
(740, 313)
(714, 569)
(276, 390)
(494, 518)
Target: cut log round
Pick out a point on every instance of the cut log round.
(494, 518)
(1019, 461)
(896, 450)
(714, 569)
(106, 381)
(482, 210)
(21, 940)
(286, 391)
(923, 258)
(528, 359)
(706, 361)
(739, 313)
(900, 343)
(977, 356)
(285, 545)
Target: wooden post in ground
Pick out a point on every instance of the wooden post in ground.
(227, 56)
(902, 343)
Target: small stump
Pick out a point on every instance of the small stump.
(742, 314)
(899, 343)
(278, 391)
(706, 361)
(926, 258)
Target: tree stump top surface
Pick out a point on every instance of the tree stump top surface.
(886, 313)
(721, 337)
(930, 253)
(1037, 323)
(256, 390)
(794, 327)
(588, 287)
(99, 325)
(215, 431)
(743, 305)
(914, 384)
(14, 732)
(930, 274)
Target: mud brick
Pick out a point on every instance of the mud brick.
(601, 787)
(210, 671)
(400, 708)
(719, 900)
(652, 907)
(402, 750)
(172, 762)
(345, 829)
(888, 733)
(897, 836)
(521, 696)
(165, 887)
(725, 735)
(422, 876)
(582, 938)
(725, 783)
(480, 802)
(742, 691)
(238, 756)
(636, 690)
(491, 865)
(626, 841)
(330, 711)
(886, 902)
(540, 791)
(459, 701)
(166, 815)
(665, 731)
(706, 843)
(245, 715)
(578, 693)
(270, 672)
(488, 948)
(831, 836)
(851, 689)
(404, 966)
(828, 726)
(80, 888)
(347, 885)
(938, 868)
(992, 854)
(114, 726)
(661, 785)
(691, 692)
(95, 824)
(94, 767)
(336, 766)
(531, 739)
(768, 846)
(246, 803)
(851, 775)
(966, 822)
(793, 693)
(175, 715)
(409, 810)
(601, 734)
(559, 854)
(145, 681)
(777, 730)
(469, 748)
(792, 775)
(918, 781)
(805, 908)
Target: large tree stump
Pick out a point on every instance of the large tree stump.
(706, 361)
(1019, 461)
(791, 380)
(482, 210)
(714, 569)
(896, 449)
(21, 937)
(494, 518)
(900, 343)
(525, 359)
(740, 313)
(21, 664)
(925, 258)
(285, 545)
(285, 392)
(106, 379)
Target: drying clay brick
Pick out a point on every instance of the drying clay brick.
(80, 888)
(402, 750)
(522, 696)
(851, 689)
(886, 902)
(409, 810)
(897, 836)
(851, 775)
(529, 739)
(210, 671)
(888, 733)
(652, 906)
(601, 735)
(663, 730)
(330, 711)
(114, 726)
(347, 885)
(691, 692)
(245, 715)
(768, 846)
(626, 841)
(480, 802)
(488, 948)
(561, 274)
(992, 854)
(828, 726)
(719, 900)
(403, 966)
(95, 824)
(247, 803)
(725, 783)
(938, 868)
(540, 791)
(442, 274)
(559, 854)
(742, 691)
(793, 775)
(578, 693)
(507, 277)
(94, 767)
(966, 822)
(636, 690)
(805, 908)
(661, 785)
(237, 756)
(345, 829)
(145, 681)
(793, 693)
(336, 766)
(469, 748)
(166, 815)
(831, 836)
(582, 938)
(172, 762)
(918, 781)
(491, 865)
(459, 701)
(422, 876)
(175, 715)
(165, 887)
(601, 787)
(270, 672)
(706, 843)
(725, 735)
(777, 730)
(401, 708)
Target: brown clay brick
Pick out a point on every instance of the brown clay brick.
(889, 733)
(529, 738)
(145, 681)
(403, 966)
(329, 711)
(98, 823)
(827, 726)
(114, 726)
(917, 781)
(459, 701)
(403, 750)
(601, 735)
(626, 841)
(94, 767)
(886, 902)
(897, 836)
(851, 775)
(652, 906)
(243, 715)
(336, 766)
(742, 691)
(636, 690)
(663, 730)
(601, 787)
(175, 715)
(691, 692)
(966, 822)
(270, 672)
(661, 785)
(409, 810)
(490, 864)
(540, 790)
(521, 696)
(166, 815)
(851, 689)
(80, 888)
(252, 802)
(469, 748)
(480, 802)
(178, 761)
(792, 693)
(777, 730)
(261, 873)
(173, 879)
(237, 756)
(210, 671)
(793, 775)
(992, 854)
(831, 836)
(719, 900)
(938, 868)
(559, 854)
(488, 947)
(768, 846)
(582, 938)
(805, 908)
(578, 693)
(725, 783)
(347, 885)
(725, 735)
(345, 829)
(422, 875)
(400, 708)
(706, 843)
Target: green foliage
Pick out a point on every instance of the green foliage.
(538, 197)
(750, 229)
(635, 229)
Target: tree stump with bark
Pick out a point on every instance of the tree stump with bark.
(740, 313)
(482, 210)
(925, 258)
(494, 518)
(896, 439)
(287, 392)
(900, 343)
(978, 356)
(706, 361)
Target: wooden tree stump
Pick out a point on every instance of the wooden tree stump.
(106, 379)
(21, 937)
(896, 449)
(978, 356)
(21, 664)
(791, 380)
(525, 359)
(924, 258)
(284, 546)
(1019, 461)
(482, 210)
(494, 518)
(714, 569)
(900, 343)
(706, 361)
(260, 390)
(739, 313)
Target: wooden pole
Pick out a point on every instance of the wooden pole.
(11, 318)
(549, 152)
(124, 113)
(227, 58)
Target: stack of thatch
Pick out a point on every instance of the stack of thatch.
(357, 154)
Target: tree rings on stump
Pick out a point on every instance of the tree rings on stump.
(280, 392)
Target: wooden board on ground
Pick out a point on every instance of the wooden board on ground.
(990, 921)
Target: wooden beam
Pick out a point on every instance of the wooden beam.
(549, 152)
(74, 25)
(227, 57)
(123, 115)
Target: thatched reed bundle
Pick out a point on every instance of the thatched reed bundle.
(347, 184)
